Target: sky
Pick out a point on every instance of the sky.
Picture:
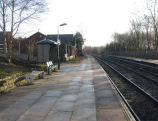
(97, 20)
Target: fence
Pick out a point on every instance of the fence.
(25, 56)
(1, 47)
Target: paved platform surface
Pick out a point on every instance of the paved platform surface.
(78, 92)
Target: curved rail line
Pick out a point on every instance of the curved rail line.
(125, 101)
(123, 98)
(128, 80)
(152, 98)
(138, 73)
(143, 67)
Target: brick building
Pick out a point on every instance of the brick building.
(65, 46)
(28, 46)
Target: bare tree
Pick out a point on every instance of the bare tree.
(146, 23)
(3, 16)
(18, 12)
(152, 7)
(24, 10)
(136, 27)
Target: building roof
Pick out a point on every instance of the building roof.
(46, 41)
(64, 38)
(37, 33)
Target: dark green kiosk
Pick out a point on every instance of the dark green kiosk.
(46, 50)
(47, 53)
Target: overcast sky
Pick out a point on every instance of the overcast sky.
(97, 20)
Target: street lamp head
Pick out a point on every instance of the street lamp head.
(63, 24)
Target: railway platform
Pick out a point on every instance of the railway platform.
(153, 61)
(78, 92)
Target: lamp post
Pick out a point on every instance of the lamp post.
(58, 41)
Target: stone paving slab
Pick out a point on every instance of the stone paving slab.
(64, 106)
(71, 91)
(77, 92)
(110, 115)
(53, 93)
(68, 98)
(84, 114)
(59, 116)
(30, 118)
(85, 103)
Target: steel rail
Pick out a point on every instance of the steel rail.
(138, 64)
(125, 101)
(143, 66)
(148, 95)
(143, 76)
(122, 97)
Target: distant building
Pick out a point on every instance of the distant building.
(64, 38)
(28, 46)
(66, 44)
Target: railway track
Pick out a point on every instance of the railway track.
(149, 72)
(143, 66)
(142, 104)
(142, 79)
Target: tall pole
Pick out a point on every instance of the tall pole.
(58, 41)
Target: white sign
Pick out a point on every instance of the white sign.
(146, 44)
(58, 41)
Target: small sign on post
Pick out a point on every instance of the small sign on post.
(146, 46)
